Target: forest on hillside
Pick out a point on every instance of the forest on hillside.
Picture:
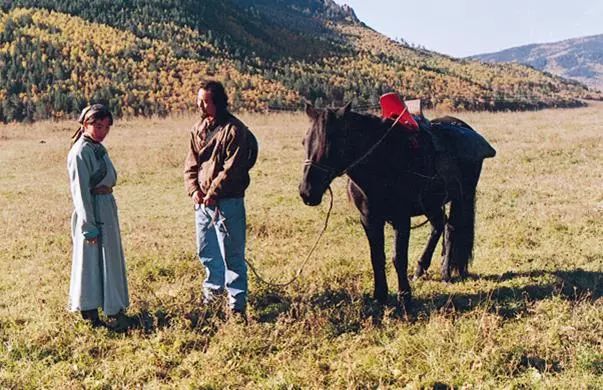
(146, 57)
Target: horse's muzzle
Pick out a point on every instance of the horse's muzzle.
(311, 202)
(309, 197)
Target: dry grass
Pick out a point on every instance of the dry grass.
(530, 317)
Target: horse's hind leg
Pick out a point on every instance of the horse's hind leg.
(374, 233)
(437, 221)
(446, 252)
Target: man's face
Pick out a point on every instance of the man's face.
(205, 102)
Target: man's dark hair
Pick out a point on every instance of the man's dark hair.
(218, 94)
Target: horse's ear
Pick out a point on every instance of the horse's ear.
(344, 110)
(311, 111)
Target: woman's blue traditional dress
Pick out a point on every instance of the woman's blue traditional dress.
(98, 273)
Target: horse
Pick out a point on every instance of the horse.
(393, 176)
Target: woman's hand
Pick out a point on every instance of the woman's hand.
(92, 241)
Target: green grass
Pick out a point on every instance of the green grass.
(530, 316)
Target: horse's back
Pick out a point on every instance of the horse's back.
(460, 139)
(451, 121)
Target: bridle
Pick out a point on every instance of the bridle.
(330, 172)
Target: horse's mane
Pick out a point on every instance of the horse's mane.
(368, 121)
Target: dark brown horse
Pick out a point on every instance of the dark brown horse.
(393, 176)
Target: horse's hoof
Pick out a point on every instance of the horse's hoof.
(381, 298)
(446, 278)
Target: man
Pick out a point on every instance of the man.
(216, 175)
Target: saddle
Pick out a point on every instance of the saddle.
(452, 140)
(448, 135)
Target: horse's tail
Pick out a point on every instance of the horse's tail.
(462, 220)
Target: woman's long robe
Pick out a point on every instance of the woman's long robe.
(98, 273)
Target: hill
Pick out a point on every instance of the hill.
(579, 59)
(145, 57)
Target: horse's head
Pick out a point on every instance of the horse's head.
(325, 145)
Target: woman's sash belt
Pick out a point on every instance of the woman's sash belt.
(102, 190)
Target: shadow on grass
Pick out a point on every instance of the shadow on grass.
(347, 312)
(340, 310)
(191, 314)
(576, 281)
(149, 322)
(269, 304)
(344, 312)
(571, 285)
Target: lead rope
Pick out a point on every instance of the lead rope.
(301, 268)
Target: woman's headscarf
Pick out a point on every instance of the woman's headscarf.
(94, 112)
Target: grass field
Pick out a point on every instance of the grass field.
(530, 316)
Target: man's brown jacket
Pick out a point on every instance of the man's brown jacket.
(219, 158)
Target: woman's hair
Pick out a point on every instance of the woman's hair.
(91, 114)
(218, 94)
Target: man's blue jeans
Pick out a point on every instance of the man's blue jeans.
(221, 235)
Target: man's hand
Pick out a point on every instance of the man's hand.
(197, 197)
(209, 201)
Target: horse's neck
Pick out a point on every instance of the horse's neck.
(370, 125)
(369, 131)
(377, 162)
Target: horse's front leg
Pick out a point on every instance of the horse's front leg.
(374, 232)
(402, 234)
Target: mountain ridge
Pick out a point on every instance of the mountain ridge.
(146, 57)
(579, 59)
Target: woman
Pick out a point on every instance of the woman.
(98, 273)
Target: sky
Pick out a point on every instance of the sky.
(465, 27)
